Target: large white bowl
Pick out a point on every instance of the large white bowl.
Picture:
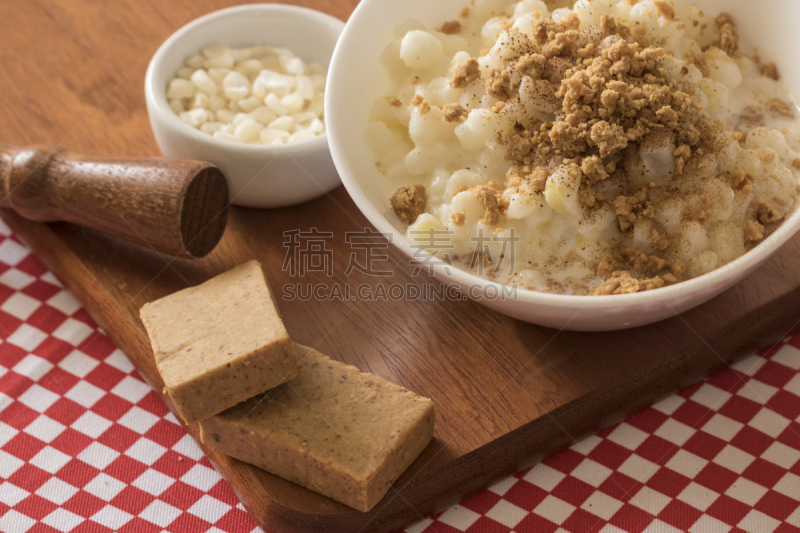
(357, 78)
(258, 175)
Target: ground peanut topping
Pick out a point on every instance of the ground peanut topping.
(454, 113)
(409, 202)
(608, 99)
(620, 282)
(728, 36)
(621, 146)
(742, 181)
(768, 211)
(753, 231)
(450, 28)
(465, 73)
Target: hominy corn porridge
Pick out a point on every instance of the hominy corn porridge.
(256, 95)
(606, 148)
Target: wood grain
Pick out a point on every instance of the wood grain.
(174, 206)
(507, 393)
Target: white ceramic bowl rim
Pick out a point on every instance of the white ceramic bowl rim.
(789, 227)
(158, 95)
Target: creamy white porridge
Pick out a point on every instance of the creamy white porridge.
(603, 148)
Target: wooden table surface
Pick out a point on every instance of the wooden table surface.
(507, 392)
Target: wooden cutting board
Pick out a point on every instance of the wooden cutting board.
(508, 393)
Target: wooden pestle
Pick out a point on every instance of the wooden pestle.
(176, 206)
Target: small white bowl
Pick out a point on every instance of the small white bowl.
(258, 175)
(358, 77)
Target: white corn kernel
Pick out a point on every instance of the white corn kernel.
(213, 51)
(305, 87)
(274, 103)
(220, 61)
(282, 123)
(241, 117)
(263, 115)
(212, 127)
(225, 116)
(561, 190)
(184, 72)
(317, 126)
(249, 104)
(269, 81)
(217, 103)
(305, 116)
(235, 79)
(271, 62)
(258, 89)
(279, 50)
(236, 86)
(196, 61)
(300, 136)
(260, 94)
(248, 131)
(201, 100)
(268, 135)
(203, 82)
(259, 51)
(250, 67)
(241, 54)
(180, 88)
(225, 136)
(177, 106)
(218, 74)
(194, 117)
(292, 65)
(293, 102)
(237, 93)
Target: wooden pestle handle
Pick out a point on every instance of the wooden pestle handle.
(176, 206)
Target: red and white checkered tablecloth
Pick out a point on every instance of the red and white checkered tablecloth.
(87, 446)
